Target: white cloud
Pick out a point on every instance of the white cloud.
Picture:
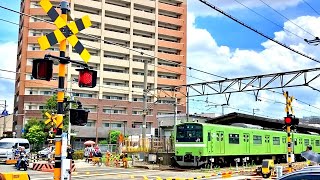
(200, 9)
(205, 53)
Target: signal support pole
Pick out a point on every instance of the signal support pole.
(60, 98)
(288, 128)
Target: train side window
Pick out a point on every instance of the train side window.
(257, 139)
(218, 137)
(317, 142)
(306, 142)
(233, 138)
(284, 140)
(276, 140)
(209, 136)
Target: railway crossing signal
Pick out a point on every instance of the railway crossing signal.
(65, 31)
(288, 121)
(87, 78)
(42, 69)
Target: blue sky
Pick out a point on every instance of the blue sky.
(219, 45)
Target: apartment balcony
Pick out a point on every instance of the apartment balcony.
(41, 54)
(170, 20)
(116, 22)
(91, 44)
(139, 78)
(167, 7)
(146, 3)
(115, 75)
(172, 45)
(92, 31)
(117, 9)
(116, 62)
(93, 59)
(144, 27)
(90, 3)
(169, 69)
(171, 82)
(140, 65)
(40, 83)
(144, 40)
(115, 89)
(115, 48)
(143, 14)
(172, 57)
(38, 11)
(116, 35)
(42, 26)
(93, 17)
(171, 32)
(146, 52)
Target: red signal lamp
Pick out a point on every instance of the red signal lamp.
(288, 120)
(42, 69)
(87, 78)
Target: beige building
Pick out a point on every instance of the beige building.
(154, 27)
(6, 122)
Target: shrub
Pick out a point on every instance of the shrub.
(103, 142)
(78, 155)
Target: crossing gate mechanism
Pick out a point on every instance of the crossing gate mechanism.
(64, 31)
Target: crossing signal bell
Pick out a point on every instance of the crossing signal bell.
(42, 69)
(87, 78)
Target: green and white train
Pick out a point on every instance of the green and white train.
(197, 144)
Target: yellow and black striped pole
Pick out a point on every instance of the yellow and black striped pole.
(288, 129)
(60, 98)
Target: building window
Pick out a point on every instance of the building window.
(276, 140)
(306, 142)
(257, 139)
(90, 124)
(233, 138)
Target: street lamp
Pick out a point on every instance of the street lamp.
(254, 110)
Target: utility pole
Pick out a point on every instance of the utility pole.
(70, 106)
(145, 107)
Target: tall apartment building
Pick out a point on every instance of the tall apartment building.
(154, 27)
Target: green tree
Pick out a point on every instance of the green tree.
(33, 122)
(113, 136)
(36, 136)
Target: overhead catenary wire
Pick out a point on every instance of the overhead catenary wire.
(256, 31)
(269, 20)
(190, 68)
(286, 18)
(311, 7)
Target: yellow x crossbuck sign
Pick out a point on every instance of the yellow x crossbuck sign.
(64, 31)
(51, 118)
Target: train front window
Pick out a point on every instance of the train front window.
(189, 133)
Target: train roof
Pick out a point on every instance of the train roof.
(266, 123)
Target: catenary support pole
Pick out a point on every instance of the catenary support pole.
(60, 98)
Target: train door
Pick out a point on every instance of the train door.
(284, 142)
(246, 142)
(267, 143)
(210, 142)
(220, 142)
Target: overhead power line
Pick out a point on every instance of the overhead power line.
(311, 7)
(269, 20)
(286, 17)
(256, 31)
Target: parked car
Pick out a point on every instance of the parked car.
(306, 174)
(46, 151)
